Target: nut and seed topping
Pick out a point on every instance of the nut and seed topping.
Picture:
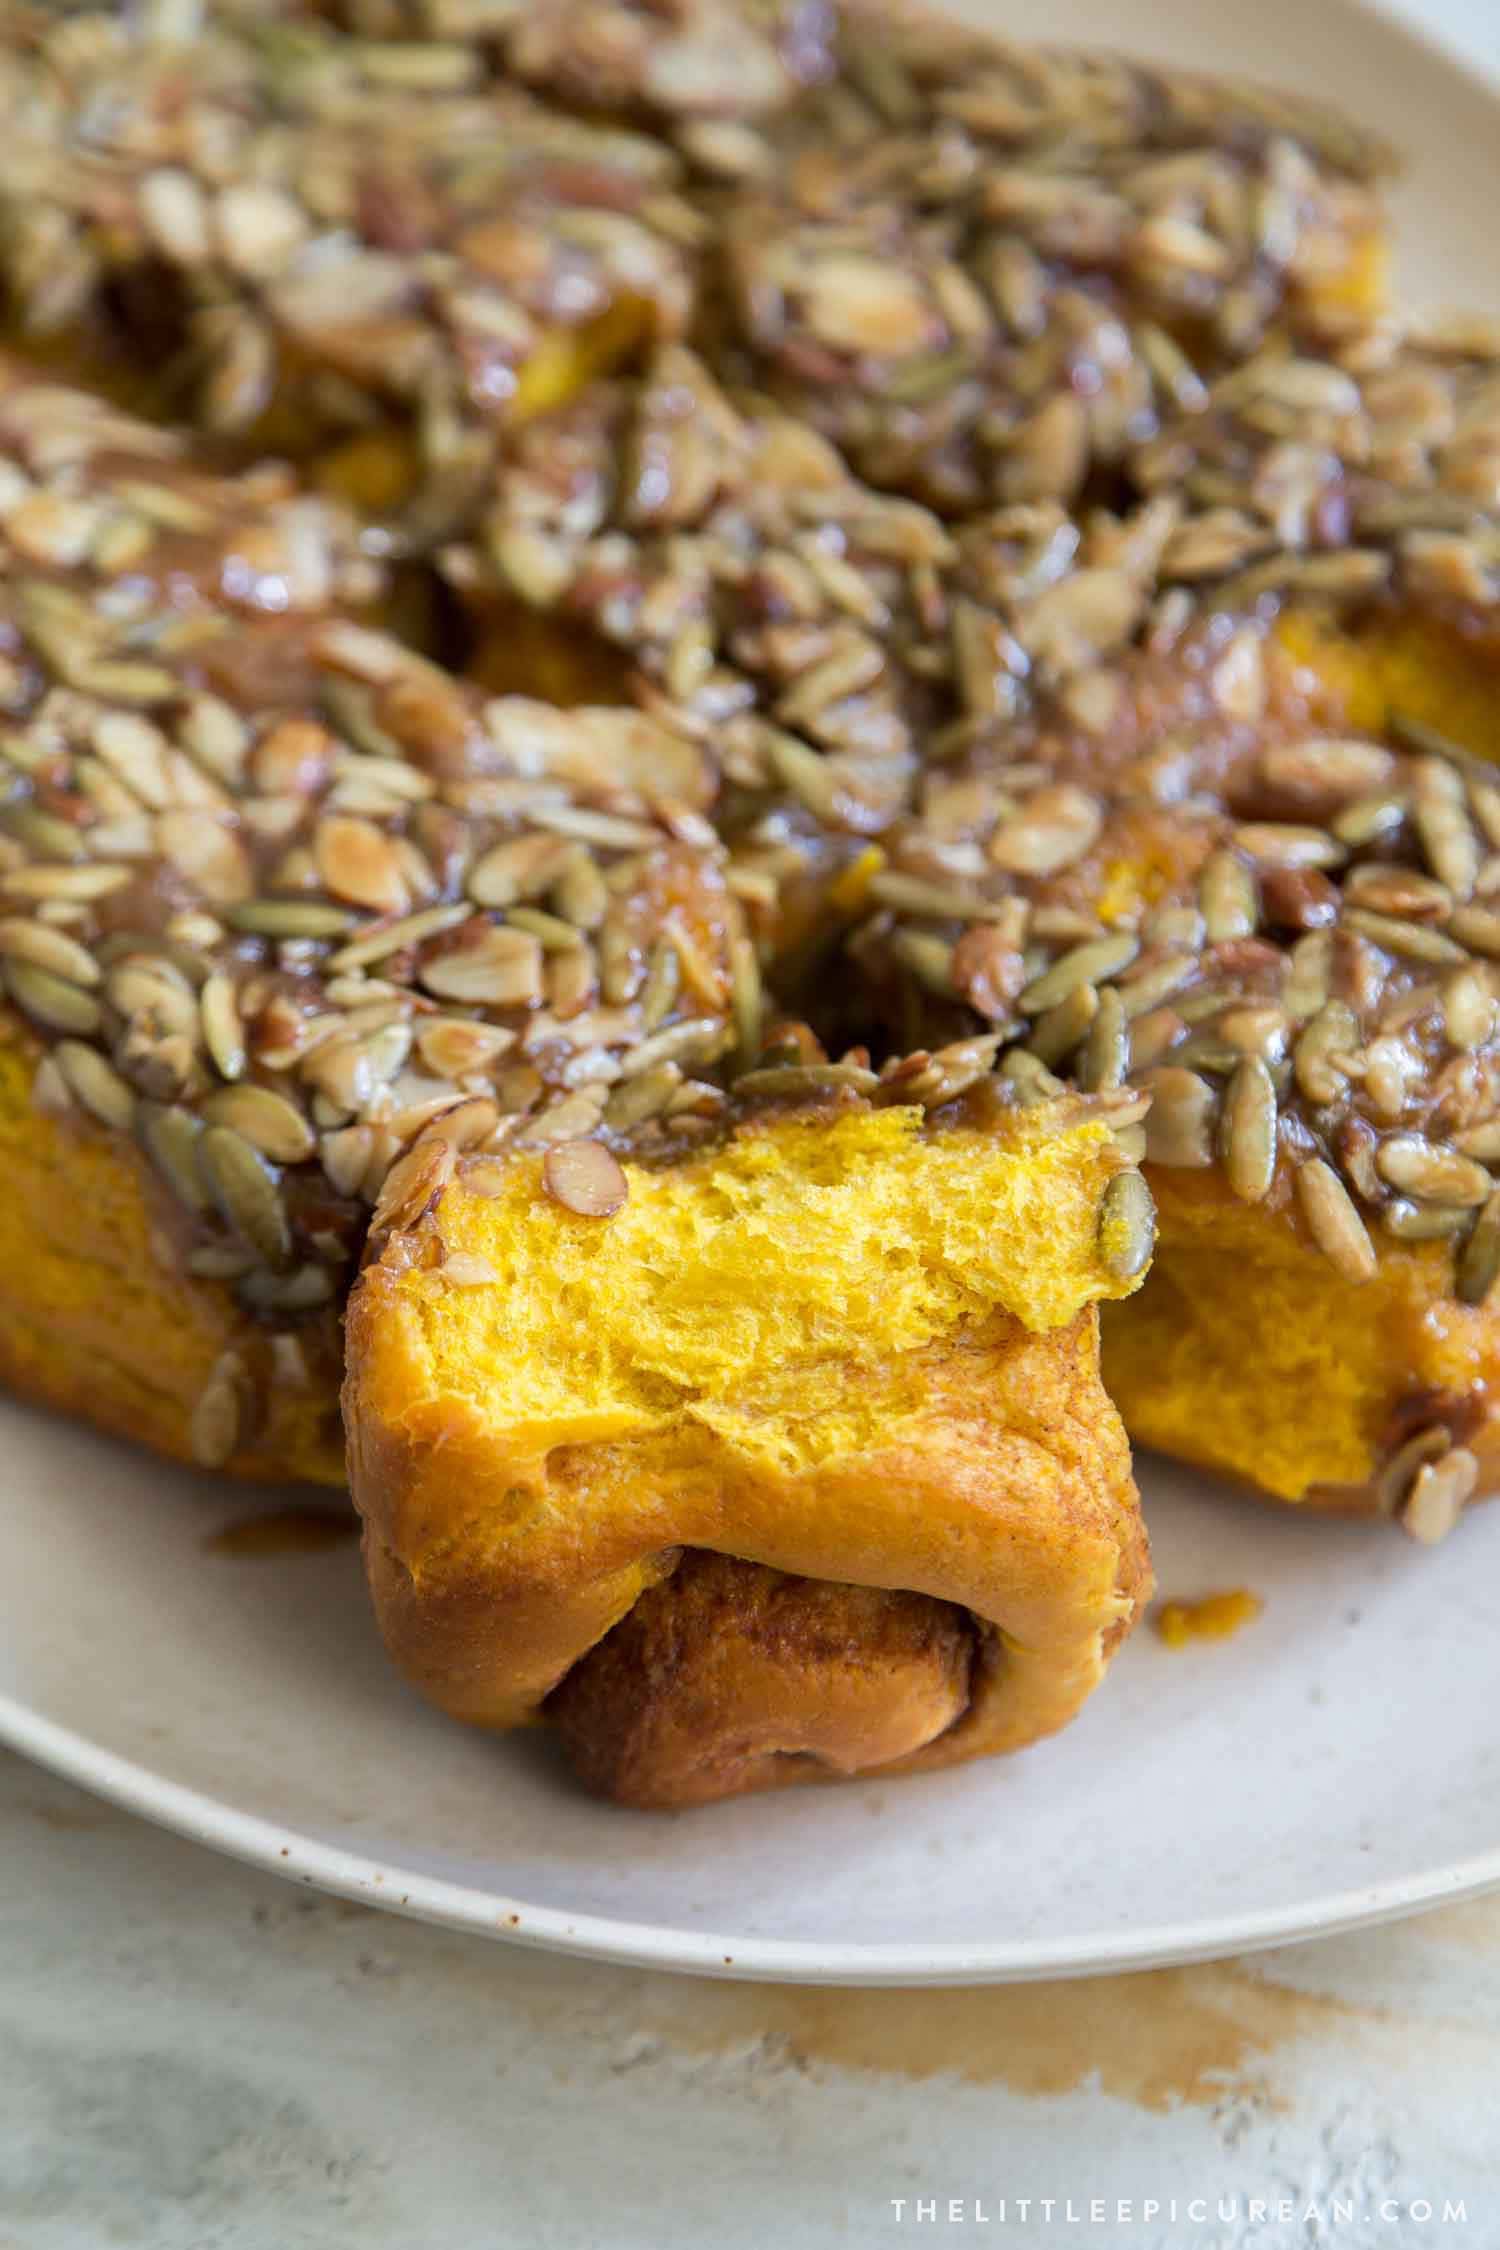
(1179, 1124)
(585, 1178)
(286, 1001)
(314, 223)
(221, 1415)
(899, 720)
(1438, 1493)
(1127, 1225)
(1333, 1221)
(969, 265)
(1247, 1130)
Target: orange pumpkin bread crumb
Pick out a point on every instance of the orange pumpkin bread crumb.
(1211, 1617)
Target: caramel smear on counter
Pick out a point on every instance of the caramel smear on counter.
(1213, 1617)
(282, 1531)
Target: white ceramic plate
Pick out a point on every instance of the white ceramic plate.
(1337, 1763)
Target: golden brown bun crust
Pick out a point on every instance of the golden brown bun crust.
(728, 1678)
(96, 1322)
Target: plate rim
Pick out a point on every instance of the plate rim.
(301, 1858)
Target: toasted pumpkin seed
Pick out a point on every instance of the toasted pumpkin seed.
(700, 1040)
(1330, 1035)
(1090, 963)
(1431, 1173)
(1247, 1130)
(930, 960)
(170, 1138)
(50, 999)
(1479, 1259)
(1127, 1226)
(1424, 1222)
(1412, 941)
(395, 937)
(217, 1426)
(659, 992)
(1478, 928)
(287, 918)
(47, 948)
(1179, 1123)
(635, 1100)
(220, 1261)
(1468, 1009)
(245, 1191)
(1057, 1032)
(266, 1119)
(1332, 1220)
(303, 1289)
(1438, 1493)
(907, 894)
(93, 1082)
(809, 1079)
(1106, 1053)
(1481, 1140)
(1034, 1083)
(1270, 843)
(1309, 975)
(1148, 987)
(1395, 1477)
(223, 1033)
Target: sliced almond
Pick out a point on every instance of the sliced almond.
(584, 1177)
